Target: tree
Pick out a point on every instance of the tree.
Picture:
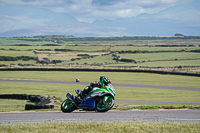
(179, 34)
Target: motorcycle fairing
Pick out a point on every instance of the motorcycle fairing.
(88, 103)
(100, 93)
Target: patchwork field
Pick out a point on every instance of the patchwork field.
(176, 54)
(120, 52)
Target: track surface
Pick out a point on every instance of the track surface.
(182, 116)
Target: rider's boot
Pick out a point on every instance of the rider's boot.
(80, 95)
(78, 99)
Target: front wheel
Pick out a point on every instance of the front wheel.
(105, 105)
(67, 106)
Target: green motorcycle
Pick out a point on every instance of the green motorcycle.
(99, 100)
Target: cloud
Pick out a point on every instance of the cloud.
(91, 10)
(27, 0)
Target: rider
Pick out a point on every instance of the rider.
(103, 81)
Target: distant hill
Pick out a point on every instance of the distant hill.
(31, 20)
(181, 18)
(17, 18)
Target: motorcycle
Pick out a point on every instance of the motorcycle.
(99, 100)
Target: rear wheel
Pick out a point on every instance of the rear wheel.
(67, 106)
(103, 106)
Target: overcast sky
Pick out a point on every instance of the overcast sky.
(91, 10)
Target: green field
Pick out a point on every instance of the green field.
(157, 53)
(164, 64)
(65, 56)
(101, 60)
(17, 41)
(152, 48)
(73, 48)
(170, 59)
(16, 53)
(87, 48)
(63, 51)
(106, 127)
(160, 56)
(32, 62)
(64, 40)
(123, 93)
(143, 59)
(29, 48)
(116, 77)
(177, 51)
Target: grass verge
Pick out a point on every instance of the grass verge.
(123, 93)
(108, 127)
(59, 90)
(145, 107)
(116, 77)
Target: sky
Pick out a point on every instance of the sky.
(91, 10)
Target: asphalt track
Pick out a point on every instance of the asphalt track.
(180, 116)
(118, 84)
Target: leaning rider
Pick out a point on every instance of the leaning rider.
(103, 81)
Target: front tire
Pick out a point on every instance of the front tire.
(103, 106)
(67, 106)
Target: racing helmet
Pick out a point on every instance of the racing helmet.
(104, 80)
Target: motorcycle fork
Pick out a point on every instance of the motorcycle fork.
(104, 99)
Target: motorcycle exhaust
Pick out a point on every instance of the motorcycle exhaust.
(69, 95)
(71, 98)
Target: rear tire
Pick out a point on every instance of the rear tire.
(103, 107)
(67, 106)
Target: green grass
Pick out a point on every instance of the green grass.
(52, 55)
(147, 48)
(92, 41)
(8, 105)
(116, 77)
(16, 41)
(57, 90)
(43, 89)
(16, 53)
(125, 77)
(171, 63)
(161, 56)
(106, 45)
(33, 62)
(87, 48)
(188, 63)
(147, 94)
(74, 48)
(97, 60)
(106, 127)
(157, 107)
(29, 47)
(123, 93)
